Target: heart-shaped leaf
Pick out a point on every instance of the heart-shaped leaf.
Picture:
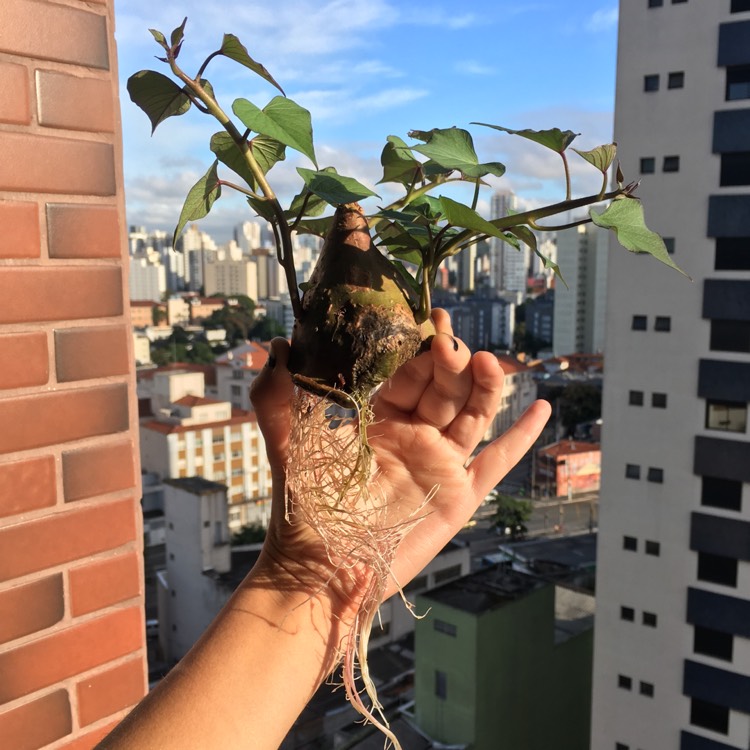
(453, 149)
(554, 138)
(158, 96)
(333, 187)
(525, 235)
(462, 216)
(600, 157)
(199, 200)
(233, 48)
(398, 163)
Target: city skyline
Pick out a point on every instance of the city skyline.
(398, 69)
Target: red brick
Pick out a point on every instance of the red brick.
(20, 223)
(39, 164)
(69, 652)
(51, 418)
(14, 103)
(37, 294)
(30, 608)
(84, 353)
(53, 32)
(36, 724)
(104, 583)
(91, 739)
(74, 102)
(108, 692)
(81, 231)
(27, 485)
(25, 360)
(98, 469)
(61, 537)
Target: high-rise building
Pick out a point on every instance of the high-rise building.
(580, 303)
(672, 642)
(509, 266)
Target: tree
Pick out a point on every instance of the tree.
(580, 402)
(249, 534)
(511, 514)
(266, 328)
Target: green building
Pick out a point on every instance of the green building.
(503, 662)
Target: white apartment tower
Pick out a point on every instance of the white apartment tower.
(581, 305)
(508, 266)
(672, 637)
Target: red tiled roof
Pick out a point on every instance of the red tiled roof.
(567, 448)
(239, 416)
(510, 364)
(208, 370)
(196, 401)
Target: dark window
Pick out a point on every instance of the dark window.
(669, 244)
(675, 2)
(626, 683)
(735, 169)
(635, 398)
(649, 619)
(621, 746)
(729, 416)
(655, 475)
(739, 6)
(663, 323)
(721, 493)
(730, 335)
(647, 689)
(651, 82)
(627, 613)
(671, 164)
(653, 548)
(630, 543)
(648, 165)
(717, 569)
(655, 3)
(639, 323)
(738, 82)
(445, 627)
(659, 400)
(676, 80)
(709, 716)
(441, 684)
(446, 574)
(732, 254)
(713, 643)
(171, 555)
(632, 471)
(420, 582)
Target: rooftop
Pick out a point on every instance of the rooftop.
(511, 365)
(197, 401)
(196, 485)
(567, 448)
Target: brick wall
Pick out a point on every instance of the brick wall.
(72, 658)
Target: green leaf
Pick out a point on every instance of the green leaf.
(318, 227)
(408, 278)
(398, 163)
(334, 188)
(281, 119)
(453, 149)
(263, 208)
(624, 217)
(555, 139)
(266, 151)
(158, 96)
(207, 87)
(462, 216)
(600, 157)
(232, 48)
(159, 38)
(525, 235)
(178, 33)
(199, 200)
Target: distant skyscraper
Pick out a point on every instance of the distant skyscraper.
(248, 236)
(672, 636)
(580, 307)
(508, 266)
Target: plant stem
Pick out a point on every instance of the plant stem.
(567, 175)
(476, 196)
(559, 227)
(239, 189)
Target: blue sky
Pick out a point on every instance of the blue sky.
(367, 69)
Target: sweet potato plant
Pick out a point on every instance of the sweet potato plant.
(366, 308)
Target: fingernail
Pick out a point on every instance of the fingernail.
(455, 344)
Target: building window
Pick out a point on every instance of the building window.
(730, 335)
(655, 475)
(669, 244)
(714, 643)
(630, 543)
(649, 619)
(646, 688)
(709, 716)
(624, 682)
(446, 574)
(445, 627)
(738, 82)
(721, 493)
(655, 3)
(651, 82)
(627, 613)
(671, 164)
(732, 254)
(648, 165)
(730, 416)
(676, 80)
(640, 322)
(441, 684)
(632, 471)
(659, 400)
(717, 569)
(735, 169)
(675, 2)
(739, 6)
(663, 323)
(420, 582)
(635, 398)
(653, 548)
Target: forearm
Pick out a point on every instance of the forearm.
(249, 676)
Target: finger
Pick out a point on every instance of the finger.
(470, 425)
(271, 394)
(447, 393)
(498, 458)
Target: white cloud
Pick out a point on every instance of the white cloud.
(344, 105)
(602, 20)
(472, 67)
